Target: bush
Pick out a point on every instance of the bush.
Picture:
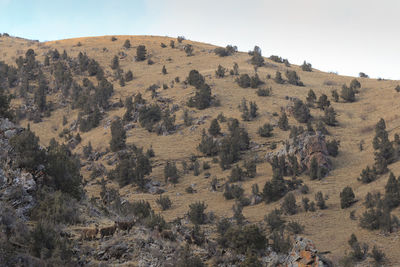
(171, 172)
(223, 52)
(149, 115)
(280, 244)
(295, 228)
(257, 59)
(278, 78)
(306, 66)
(127, 44)
(115, 63)
(241, 239)
(301, 112)
(188, 50)
(264, 92)
(319, 197)
(333, 147)
(293, 78)
(220, 72)
(330, 117)
(274, 220)
(378, 255)
(265, 130)
(283, 122)
(233, 192)
(196, 212)
(289, 204)
(348, 94)
(243, 81)
(164, 202)
(347, 197)
(141, 53)
(207, 145)
(275, 189)
(335, 96)
(180, 39)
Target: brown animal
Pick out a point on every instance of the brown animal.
(124, 226)
(89, 233)
(107, 231)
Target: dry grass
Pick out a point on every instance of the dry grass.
(331, 228)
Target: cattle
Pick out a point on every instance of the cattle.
(89, 233)
(107, 231)
(124, 225)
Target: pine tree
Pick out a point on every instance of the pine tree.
(311, 97)
(319, 197)
(127, 44)
(384, 151)
(330, 116)
(313, 171)
(392, 191)
(278, 78)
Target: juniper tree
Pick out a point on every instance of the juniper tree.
(257, 59)
(265, 130)
(289, 204)
(301, 112)
(283, 122)
(128, 76)
(311, 97)
(220, 72)
(127, 44)
(115, 63)
(335, 95)
(214, 129)
(141, 53)
(278, 78)
(323, 102)
(330, 116)
(306, 66)
(293, 78)
(319, 197)
(346, 197)
(164, 70)
(392, 191)
(118, 136)
(384, 151)
(188, 50)
(348, 94)
(171, 172)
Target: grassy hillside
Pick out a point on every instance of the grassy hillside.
(330, 228)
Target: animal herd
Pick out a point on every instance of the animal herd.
(91, 233)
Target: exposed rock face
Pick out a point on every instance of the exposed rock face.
(16, 186)
(305, 147)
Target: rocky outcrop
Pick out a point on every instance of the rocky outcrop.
(305, 147)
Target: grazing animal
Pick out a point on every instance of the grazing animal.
(107, 231)
(124, 226)
(89, 233)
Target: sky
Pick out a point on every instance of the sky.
(343, 36)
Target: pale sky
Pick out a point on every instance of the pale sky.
(344, 36)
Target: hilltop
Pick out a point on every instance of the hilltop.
(171, 89)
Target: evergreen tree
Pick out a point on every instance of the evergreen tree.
(311, 97)
(335, 96)
(115, 63)
(289, 204)
(214, 129)
(323, 102)
(392, 191)
(319, 197)
(164, 70)
(313, 171)
(127, 44)
(348, 94)
(128, 76)
(346, 197)
(278, 78)
(220, 72)
(141, 53)
(384, 151)
(118, 136)
(330, 116)
(283, 122)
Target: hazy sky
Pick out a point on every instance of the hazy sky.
(345, 36)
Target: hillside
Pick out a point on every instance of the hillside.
(330, 228)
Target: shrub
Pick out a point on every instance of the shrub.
(289, 204)
(293, 78)
(311, 98)
(172, 44)
(392, 191)
(363, 75)
(397, 88)
(243, 81)
(241, 239)
(188, 50)
(274, 220)
(196, 212)
(301, 112)
(333, 147)
(348, 94)
(264, 92)
(306, 66)
(335, 95)
(265, 130)
(323, 102)
(220, 72)
(115, 63)
(164, 70)
(207, 145)
(283, 122)
(280, 244)
(171, 172)
(278, 78)
(319, 197)
(378, 255)
(233, 192)
(149, 115)
(330, 116)
(275, 189)
(180, 39)
(237, 174)
(295, 228)
(223, 52)
(164, 202)
(127, 44)
(214, 129)
(347, 197)
(118, 136)
(141, 53)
